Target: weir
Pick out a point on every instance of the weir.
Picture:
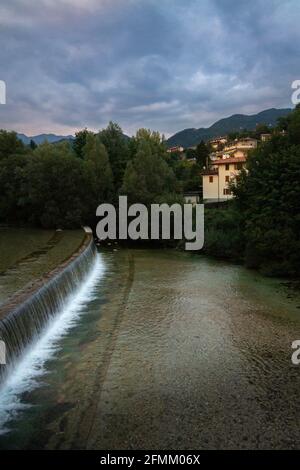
(23, 319)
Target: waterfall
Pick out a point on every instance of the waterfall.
(32, 330)
(26, 322)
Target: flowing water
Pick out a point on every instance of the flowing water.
(160, 349)
(27, 321)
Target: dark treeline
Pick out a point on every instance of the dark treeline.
(61, 185)
(261, 226)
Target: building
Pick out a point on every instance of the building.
(243, 145)
(175, 149)
(210, 181)
(217, 179)
(237, 149)
(225, 166)
(247, 143)
(265, 137)
(192, 197)
(217, 143)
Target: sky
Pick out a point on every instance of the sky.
(161, 64)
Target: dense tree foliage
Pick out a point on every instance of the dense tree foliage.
(224, 236)
(11, 188)
(268, 195)
(188, 174)
(262, 224)
(98, 173)
(148, 178)
(80, 141)
(117, 147)
(10, 144)
(61, 185)
(202, 154)
(54, 188)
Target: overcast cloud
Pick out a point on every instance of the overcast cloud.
(166, 65)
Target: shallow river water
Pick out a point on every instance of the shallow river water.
(171, 351)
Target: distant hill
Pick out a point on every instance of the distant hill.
(39, 139)
(51, 138)
(236, 122)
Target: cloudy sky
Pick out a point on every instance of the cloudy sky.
(162, 64)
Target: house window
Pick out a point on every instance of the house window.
(211, 179)
(238, 166)
(226, 192)
(227, 167)
(227, 179)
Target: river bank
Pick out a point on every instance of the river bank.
(30, 254)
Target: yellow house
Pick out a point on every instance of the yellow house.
(225, 166)
(216, 180)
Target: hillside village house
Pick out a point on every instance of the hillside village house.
(217, 143)
(224, 168)
(238, 148)
(216, 180)
(242, 146)
(265, 137)
(175, 149)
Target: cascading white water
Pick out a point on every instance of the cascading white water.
(56, 309)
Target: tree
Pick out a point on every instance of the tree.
(294, 126)
(188, 175)
(99, 170)
(233, 135)
(283, 123)
(260, 129)
(32, 144)
(154, 139)
(117, 148)
(190, 153)
(268, 196)
(12, 182)
(80, 141)
(202, 154)
(10, 144)
(55, 189)
(147, 177)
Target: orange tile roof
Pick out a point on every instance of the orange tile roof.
(210, 172)
(224, 161)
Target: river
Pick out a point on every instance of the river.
(172, 351)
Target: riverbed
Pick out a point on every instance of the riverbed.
(172, 351)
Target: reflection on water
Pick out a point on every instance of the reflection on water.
(175, 351)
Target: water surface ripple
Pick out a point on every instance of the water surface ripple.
(175, 351)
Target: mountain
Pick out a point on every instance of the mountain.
(39, 139)
(236, 122)
(51, 138)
